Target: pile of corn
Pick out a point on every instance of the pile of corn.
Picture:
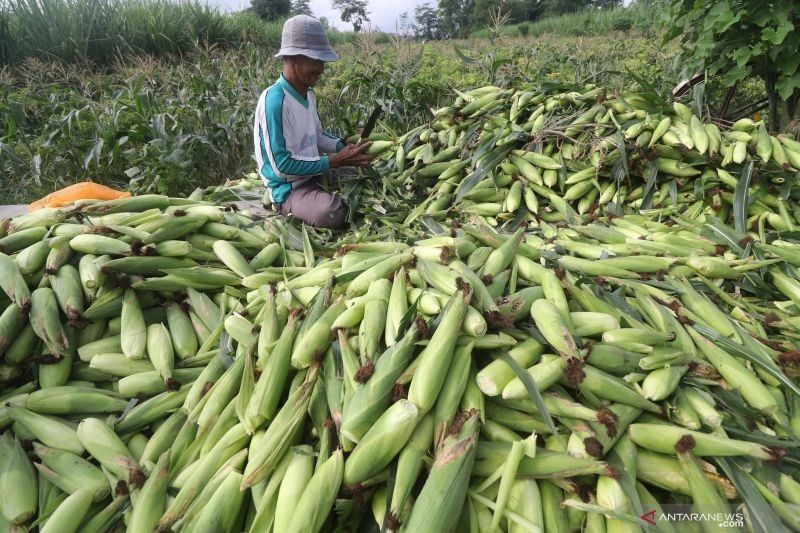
(527, 153)
(167, 364)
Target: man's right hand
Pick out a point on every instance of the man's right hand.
(351, 156)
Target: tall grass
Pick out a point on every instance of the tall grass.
(100, 31)
(639, 17)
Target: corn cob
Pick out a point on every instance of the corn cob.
(319, 495)
(70, 472)
(17, 481)
(70, 513)
(444, 491)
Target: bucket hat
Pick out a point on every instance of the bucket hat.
(304, 36)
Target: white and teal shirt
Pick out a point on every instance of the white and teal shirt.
(289, 139)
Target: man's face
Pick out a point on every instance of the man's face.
(308, 70)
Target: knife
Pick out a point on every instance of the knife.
(371, 121)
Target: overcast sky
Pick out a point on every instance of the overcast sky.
(382, 13)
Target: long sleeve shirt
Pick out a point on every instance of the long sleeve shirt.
(289, 139)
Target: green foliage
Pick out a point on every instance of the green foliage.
(428, 22)
(168, 124)
(737, 40)
(271, 10)
(353, 11)
(104, 31)
(638, 17)
(301, 7)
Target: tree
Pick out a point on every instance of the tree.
(427, 22)
(301, 7)
(353, 11)
(742, 41)
(271, 9)
(404, 26)
(454, 15)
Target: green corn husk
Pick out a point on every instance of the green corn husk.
(663, 438)
(263, 403)
(69, 515)
(280, 433)
(435, 359)
(382, 442)
(409, 465)
(295, 480)
(319, 495)
(70, 472)
(150, 502)
(372, 398)
(445, 490)
(453, 389)
(17, 482)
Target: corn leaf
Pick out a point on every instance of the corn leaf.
(740, 197)
(530, 386)
(762, 517)
(742, 351)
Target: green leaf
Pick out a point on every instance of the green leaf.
(477, 175)
(742, 56)
(743, 351)
(762, 517)
(776, 36)
(787, 86)
(530, 386)
(740, 197)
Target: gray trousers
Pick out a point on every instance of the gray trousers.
(314, 205)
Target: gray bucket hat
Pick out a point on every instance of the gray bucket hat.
(304, 36)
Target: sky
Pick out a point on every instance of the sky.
(383, 14)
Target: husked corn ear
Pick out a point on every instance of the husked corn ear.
(182, 335)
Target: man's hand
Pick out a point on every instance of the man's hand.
(351, 156)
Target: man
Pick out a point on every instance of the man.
(289, 141)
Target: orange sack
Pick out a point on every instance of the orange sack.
(85, 190)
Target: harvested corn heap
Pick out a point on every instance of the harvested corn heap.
(556, 154)
(169, 364)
